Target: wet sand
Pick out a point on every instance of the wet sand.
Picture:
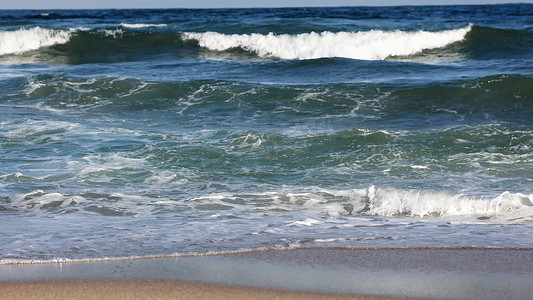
(284, 274)
(136, 289)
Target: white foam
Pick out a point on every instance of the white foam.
(142, 25)
(27, 128)
(307, 222)
(95, 166)
(418, 167)
(367, 45)
(115, 33)
(382, 201)
(137, 257)
(162, 177)
(39, 199)
(252, 140)
(13, 175)
(390, 201)
(22, 40)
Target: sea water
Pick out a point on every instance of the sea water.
(127, 133)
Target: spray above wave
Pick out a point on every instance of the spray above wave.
(23, 40)
(366, 45)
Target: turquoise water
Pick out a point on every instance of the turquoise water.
(154, 132)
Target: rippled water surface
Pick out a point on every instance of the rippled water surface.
(146, 132)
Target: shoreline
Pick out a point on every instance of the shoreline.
(431, 273)
(240, 252)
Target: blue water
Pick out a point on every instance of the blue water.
(155, 132)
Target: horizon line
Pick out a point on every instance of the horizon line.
(271, 7)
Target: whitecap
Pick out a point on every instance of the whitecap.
(125, 25)
(39, 199)
(421, 203)
(307, 222)
(23, 40)
(365, 45)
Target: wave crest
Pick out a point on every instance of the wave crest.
(319, 204)
(23, 40)
(365, 45)
(390, 202)
(136, 25)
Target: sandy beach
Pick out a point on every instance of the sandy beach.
(134, 289)
(334, 273)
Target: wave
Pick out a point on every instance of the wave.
(23, 40)
(488, 43)
(83, 45)
(467, 43)
(487, 99)
(125, 25)
(491, 98)
(129, 42)
(366, 45)
(373, 201)
(391, 202)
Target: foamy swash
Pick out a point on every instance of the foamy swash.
(366, 45)
(374, 201)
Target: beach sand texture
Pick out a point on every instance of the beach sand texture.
(98, 289)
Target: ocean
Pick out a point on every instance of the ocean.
(143, 133)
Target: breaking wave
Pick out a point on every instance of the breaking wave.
(132, 41)
(22, 40)
(365, 45)
(373, 201)
(125, 25)
(389, 202)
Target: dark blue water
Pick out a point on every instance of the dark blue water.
(147, 132)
